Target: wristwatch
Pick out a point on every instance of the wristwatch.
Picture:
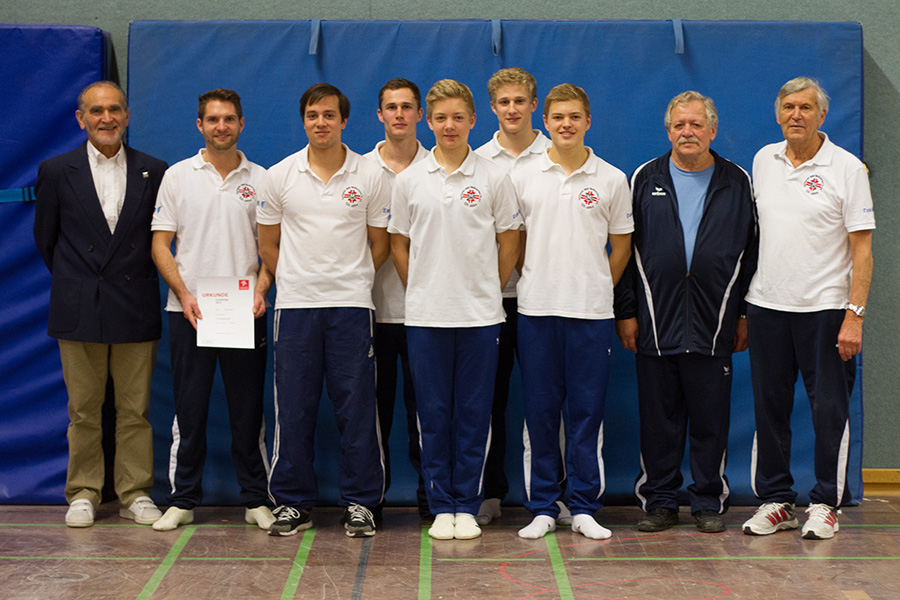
(860, 311)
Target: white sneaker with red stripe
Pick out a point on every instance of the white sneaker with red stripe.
(771, 517)
(822, 523)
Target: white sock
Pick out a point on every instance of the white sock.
(588, 527)
(540, 526)
(466, 527)
(174, 518)
(442, 529)
(488, 511)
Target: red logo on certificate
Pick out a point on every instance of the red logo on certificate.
(243, 284)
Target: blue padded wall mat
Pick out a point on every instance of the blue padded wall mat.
(630, 70)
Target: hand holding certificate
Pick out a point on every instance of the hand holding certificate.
(226, 304)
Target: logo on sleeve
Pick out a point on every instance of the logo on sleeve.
(246, 192)
(471, 196)
(813, 185)
(589, 198)
(352, 196)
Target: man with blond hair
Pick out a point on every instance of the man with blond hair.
(566, 310)
(693, 213)
(455, 240)
(513, 94)
(806, 305)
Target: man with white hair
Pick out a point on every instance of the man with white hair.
(806, 305)
(680, 308)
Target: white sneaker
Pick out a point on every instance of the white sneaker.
(174, 518)
(565, 517)
(260, 516)
(771, 517)
(822, 523)
(142, 511)
(488, 511)
(466, 527)
(80, 514)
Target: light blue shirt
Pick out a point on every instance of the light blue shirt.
(690, 189)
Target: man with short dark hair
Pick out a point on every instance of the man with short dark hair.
(207, 205)
(400, 109)
(92, 228)
(322, 220)
(806, 305)
(680, 309)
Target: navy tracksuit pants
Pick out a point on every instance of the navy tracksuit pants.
(565, 363)
(781, 344)
(334, 345)
(453, 370)
(244, 376)
(683, 396)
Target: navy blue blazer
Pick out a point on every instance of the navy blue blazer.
(105, 287)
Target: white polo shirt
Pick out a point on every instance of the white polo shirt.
(324, 258)
(568, 219)
(452, 221)
(214, 220)
(388, 292)
(501, 157)
(805, 216)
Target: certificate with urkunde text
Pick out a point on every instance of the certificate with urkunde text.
(226, 304)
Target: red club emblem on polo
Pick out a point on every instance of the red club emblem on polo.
(813, 184)
(352, 196)
(245, 192)
(471, 196)
(589, 197)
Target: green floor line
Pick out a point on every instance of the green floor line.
(79, 558)
(167, 563)
(293, 580)
(424, 565)
(236, 558)
(738, 558)
(559, 568)
(490, 559)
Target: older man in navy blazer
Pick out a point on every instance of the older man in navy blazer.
(92, 228)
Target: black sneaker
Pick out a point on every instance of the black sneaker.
(358, 521)
(709, 521)
(658, 519)
(289, 520)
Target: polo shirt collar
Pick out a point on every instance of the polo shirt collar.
(466, 168)
(823, 156)
(350, 160)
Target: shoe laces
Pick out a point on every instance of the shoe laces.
(286, 512)
(768, 507)
(821, 511)
(357, 511)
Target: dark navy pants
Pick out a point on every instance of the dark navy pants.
(496, 484)
(683, 396)
(781, 344)
(453, 370)
(565, 363)
(390, 347)
(334, 344)
(244, 376)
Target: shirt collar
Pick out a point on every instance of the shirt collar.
(589, 167)
(97, 158)
(822, 157)
(198, 162)
(350, 160)
(466, 168)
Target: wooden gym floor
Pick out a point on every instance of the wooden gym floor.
(221, 557)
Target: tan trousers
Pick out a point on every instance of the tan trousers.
(86, 367)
